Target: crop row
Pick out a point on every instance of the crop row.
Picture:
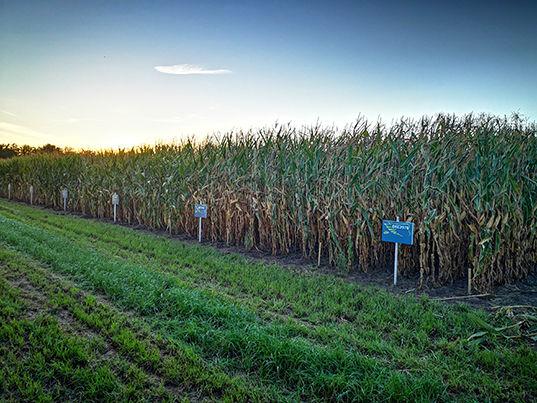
(468, 183)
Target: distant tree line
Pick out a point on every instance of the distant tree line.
(14, 150)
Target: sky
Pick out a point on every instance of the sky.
(100, 74)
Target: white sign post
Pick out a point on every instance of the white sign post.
(115, 202)
(395, 258)
(65, 193)
(200, 211)
(31, 194)
(9, 191)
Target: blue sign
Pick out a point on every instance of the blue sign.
(200, 211)
(398, 232)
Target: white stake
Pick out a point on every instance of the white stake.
(395, 262)
(31, 195)
(64, 196)
(9, 191)
(199, 229)
(115, 202)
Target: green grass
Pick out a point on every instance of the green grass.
(218, 326)
(41, 361)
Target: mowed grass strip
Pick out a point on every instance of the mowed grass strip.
(442, 364)
(40, 361)
(141, 356)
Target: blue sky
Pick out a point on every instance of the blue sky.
(82, 73)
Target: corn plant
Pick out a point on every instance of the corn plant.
(468, 183)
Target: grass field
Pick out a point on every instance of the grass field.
(94, 311)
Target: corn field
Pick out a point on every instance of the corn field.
(468, 183)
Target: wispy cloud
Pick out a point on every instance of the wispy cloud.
(18, 133)
(189, 69)
(8, 113)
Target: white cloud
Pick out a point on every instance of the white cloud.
(189, 69)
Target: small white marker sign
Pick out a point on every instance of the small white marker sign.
(31, 194)
(9, 191)
(115, 202)
(65, 194)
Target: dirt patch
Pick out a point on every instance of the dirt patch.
(73, 326)
(35, 303)
(38, 304)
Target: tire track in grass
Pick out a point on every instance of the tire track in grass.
(43, 302)
(154, 357)
(224, 330)
(76, 367)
